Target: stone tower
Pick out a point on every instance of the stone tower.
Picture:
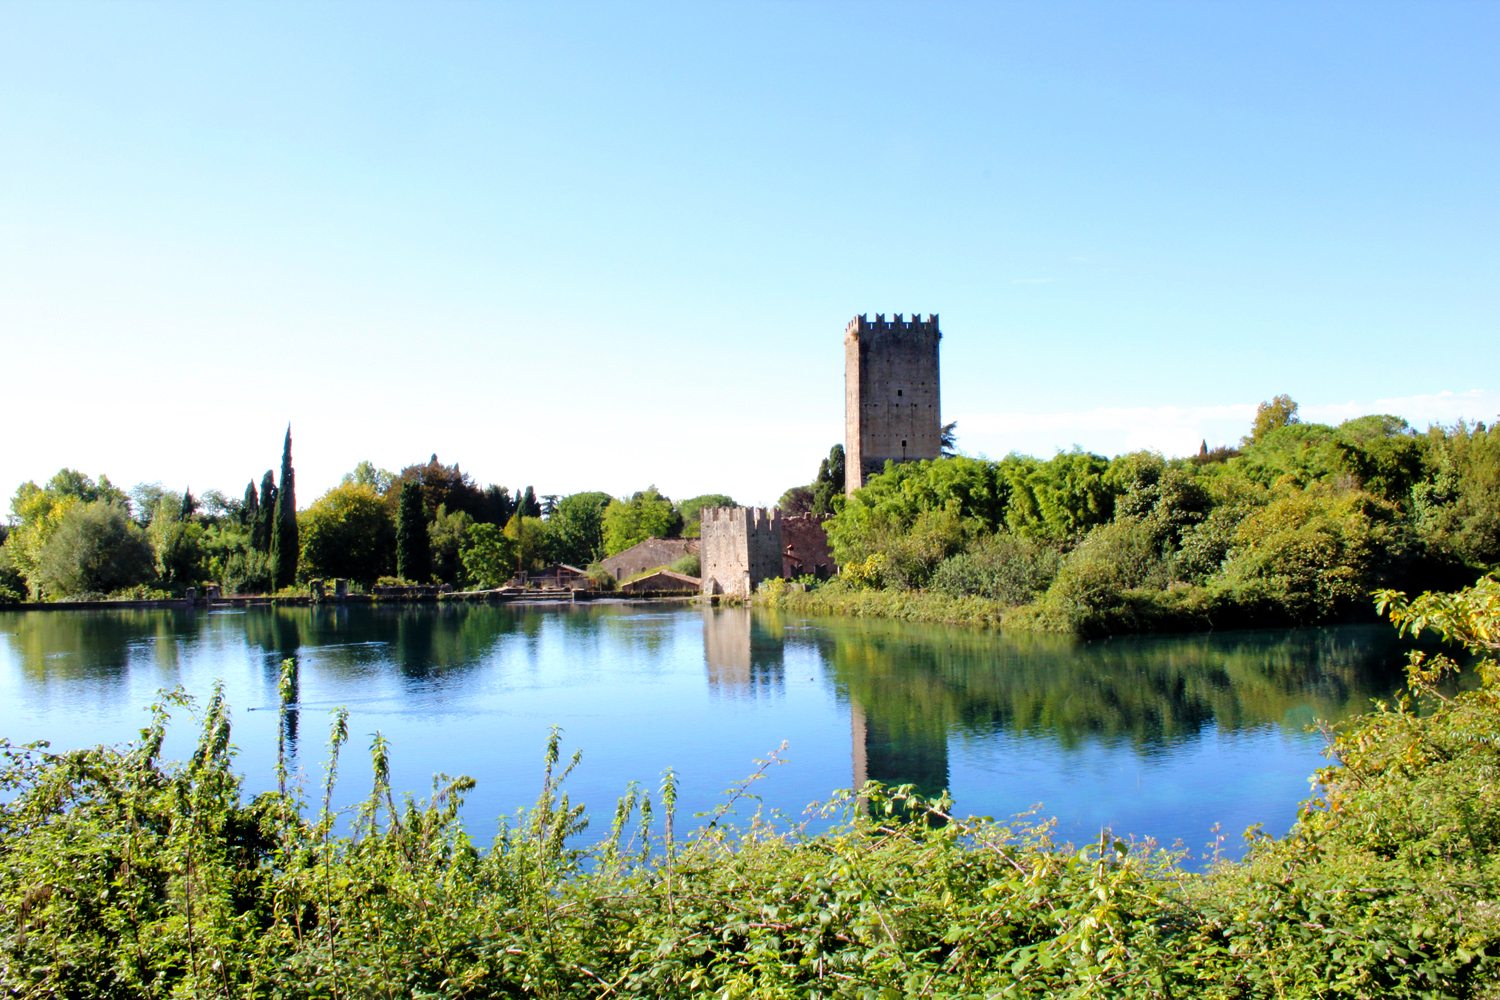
(741, 546)
(890, 394)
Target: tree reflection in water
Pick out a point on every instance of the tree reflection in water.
(913, 688)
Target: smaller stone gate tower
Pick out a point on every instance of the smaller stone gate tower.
(891, 404)
(741, 546)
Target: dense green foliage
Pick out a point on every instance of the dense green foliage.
(95, 549)
(488, 556)
(421, 524)
(412, 561)
(645, 514)
(37, 513)
(123, 875)
(691, 510)
(1299, 526)
(347, 532)
(577, 525)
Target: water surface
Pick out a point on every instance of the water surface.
(1156, 737)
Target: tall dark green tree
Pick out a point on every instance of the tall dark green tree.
(252, 505)
(413, 561)
(284, 549)
(260, 527)
(528, 505)
(829, 482)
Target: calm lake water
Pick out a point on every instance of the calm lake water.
(1160, 736)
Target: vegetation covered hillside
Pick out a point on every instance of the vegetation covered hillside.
(1297, 526)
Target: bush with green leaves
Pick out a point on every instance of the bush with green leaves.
(1011, 570)
(347, 532)
(96, 549)
(1296, 528)
(488, 556)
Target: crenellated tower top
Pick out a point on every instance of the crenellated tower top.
(899, 324)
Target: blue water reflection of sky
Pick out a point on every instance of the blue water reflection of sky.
(640, 689)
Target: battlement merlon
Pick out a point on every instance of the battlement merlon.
(899, 324)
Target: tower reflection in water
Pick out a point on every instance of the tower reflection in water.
(745, 657)
(1028, 716)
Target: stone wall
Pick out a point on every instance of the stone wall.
(804, 547)
(651, 553)
(741, 546)
(891, 399)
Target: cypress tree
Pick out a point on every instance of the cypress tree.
(528, 505)
(284, 549)
(412, 559)
(260, 528)
(252, 505)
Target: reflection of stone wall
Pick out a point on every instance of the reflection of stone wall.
(742, 658)
(741, 547)
(726, 647)
(891, 757)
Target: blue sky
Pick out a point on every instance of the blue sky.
(600, 246)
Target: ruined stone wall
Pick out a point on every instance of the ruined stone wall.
(651, 553)
(740, 547)
(804, 547)
(891, 399)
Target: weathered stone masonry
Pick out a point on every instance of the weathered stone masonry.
(805, 550)
(741, 546)
(891, 399)
(744, 545)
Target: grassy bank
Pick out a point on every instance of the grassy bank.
(1090, 616)
(122, 875)
(835, 598)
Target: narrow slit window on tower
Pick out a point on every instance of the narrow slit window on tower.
(898, 392)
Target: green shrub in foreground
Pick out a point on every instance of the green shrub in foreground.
(122, 875)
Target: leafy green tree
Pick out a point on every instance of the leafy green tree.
(1060, 499)
(1280, 412)
(948, 439)
(1314, 554)
(577, 527)
(38, 511)
(12, 583)
(348, 533)
(692, 509)
(1456, 506)
(412, 560)
(145, 500)
(366, 474)
(284, 547)
(531, 541)
(829, 482)
(647, 514)
(488, 557)
(890, 503)
(445, 536)
(177, 540)
(96, 548)
(797, 500)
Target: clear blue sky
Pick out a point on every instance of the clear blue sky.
(596, 247)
